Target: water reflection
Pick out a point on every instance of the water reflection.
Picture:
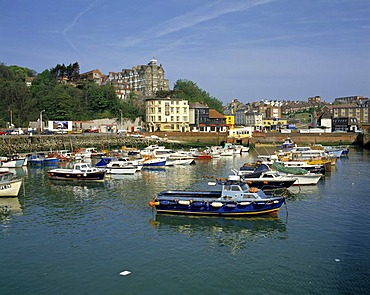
(234, 233)
(20, 171)
(9, 206)
(296, 193)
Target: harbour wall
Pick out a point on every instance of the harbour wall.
(28, 144)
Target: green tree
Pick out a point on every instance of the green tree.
(190, 91)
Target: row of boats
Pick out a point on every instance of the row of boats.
(254, 188)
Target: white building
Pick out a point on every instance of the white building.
(167, 114)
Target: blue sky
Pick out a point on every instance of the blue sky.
(244, 49)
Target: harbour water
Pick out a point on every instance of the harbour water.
(66, 238)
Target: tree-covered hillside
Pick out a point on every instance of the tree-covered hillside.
(75, 100)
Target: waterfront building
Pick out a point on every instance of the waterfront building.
(324, 121)
(167, 114)
(198, 116)
(230, 121)
(254, 119)
(240, 116)
(345, 124)
(217, 122)
(273, 124)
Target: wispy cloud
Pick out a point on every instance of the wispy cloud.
(75, 20)
(193, 18)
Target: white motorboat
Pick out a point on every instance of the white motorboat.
(9, 186)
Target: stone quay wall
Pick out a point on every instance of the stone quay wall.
(29, 144)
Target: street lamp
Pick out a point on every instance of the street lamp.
(11, 118)
(121, 118)
(41, 129)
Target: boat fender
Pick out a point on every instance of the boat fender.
(184, 202)
(253, 190)
(244, 203)
(216, 204)
(265, 182)
(249, 182)
(85, 174)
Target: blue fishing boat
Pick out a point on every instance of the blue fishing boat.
(40, 158)
(104, 161)
(235, 198)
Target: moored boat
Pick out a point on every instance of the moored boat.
(235, 198)
(12, 163)
(79, 172)
(9, 186)
(266, 179)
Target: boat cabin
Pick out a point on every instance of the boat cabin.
(84, 167)
(236, 190)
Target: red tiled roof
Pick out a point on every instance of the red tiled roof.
(213, 114)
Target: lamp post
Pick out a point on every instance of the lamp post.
(41, 129)
(11, 118)
(121, 119)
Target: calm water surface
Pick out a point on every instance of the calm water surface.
(63, 238)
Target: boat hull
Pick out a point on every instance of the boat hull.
(10, 188)
(211, 204)
(307, 179)
(61, 174)
(126, 171)
(263, 182)
(16, 163)
(152, 163)
(225, 209)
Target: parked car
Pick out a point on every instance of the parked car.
(122, 132)
(18, 131)
(93, 130)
